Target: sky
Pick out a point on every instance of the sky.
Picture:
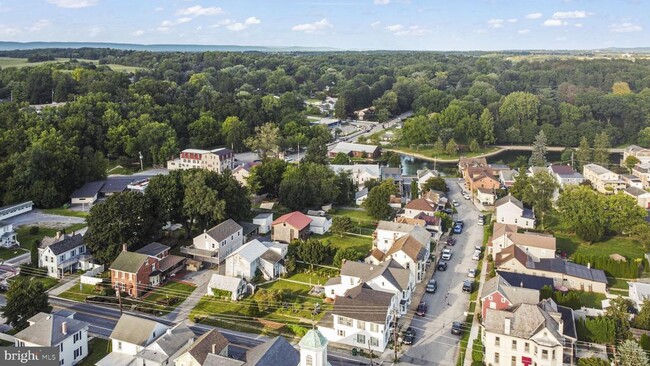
(342, 24)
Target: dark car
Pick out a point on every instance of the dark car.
(422, 309)
(456, 328)
(468, 285)
(432, 286)
(451, 242)
(442, 266)
(408, 336)
(458, 229)
(459, 223)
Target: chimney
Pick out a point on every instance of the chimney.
(64, 328)
(124, 247)
(214, 348)
(521, 284)
(58, 235)
(588, 265)
(507, 326)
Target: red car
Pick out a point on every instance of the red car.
(422, 309)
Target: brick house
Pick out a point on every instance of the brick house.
(289, 227)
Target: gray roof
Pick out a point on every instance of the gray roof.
(153, 249)
(569, 321)
(170, 343)
(89, 189)
(117, 184)
(128, 262)
(63, 244)
(559, 265)
(271, 256)
(275, 352)
(347, 147)
(226, 283)
(526, 281)
(47, 329)
(393, 173)
(218, 360)
(248, 227)
(224, 230)
(526, 320)
(635, 191)
(204, 344)
(528, 213)
(361, 193)
(514, 294)
(509, 198)
(133, 329)
(363, 296)
(263, 216)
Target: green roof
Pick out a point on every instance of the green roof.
(313, 339)
(128, 262)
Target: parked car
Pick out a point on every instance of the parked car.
(459, 223)
(442, 266)
(458, 229)
(455, 203)
(477, 255)
(446, 254)
(468, 285)
(451, 242)
(466, 196)
(481, 220)
(422, 309)
(448, 211)
(432, 286)
(456, 328)
(471, 273)
(408, 336)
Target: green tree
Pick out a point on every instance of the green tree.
(234, 132)
(201, 203)
(341, 225)
(601, 148)
(124, 218)
(518, 110)
(439, 147)
(642, 319)
(447, 221)
(451, 148)
(24, 299)
(584, 155)
(165, 192)
(487, 127)
(317, 152)
(377, 203)
(630, 353)
(346, 188)
(573, 203)
(630, 162)
(644, 137)
(313, 252)
(540, 194)
(308, 185)
(622, 213)
(618, 311)
(265, 178)
(266, 141)
(435, 183)
(345, 254)
(474, 146)
(621, 87)
(341, 159)
(204, 132)
(33, 255)
(538, 157)
(157, 142)
(415, 190)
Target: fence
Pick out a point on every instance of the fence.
(89, 278)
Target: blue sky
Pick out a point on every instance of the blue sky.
(346, 24)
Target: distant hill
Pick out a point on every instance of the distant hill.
(10, 46)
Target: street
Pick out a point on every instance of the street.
(435, 345)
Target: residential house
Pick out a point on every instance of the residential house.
(526, 281)
(632, 181)
(638, 152)
(437, 198)
(136, 272)
(166, 348)
(131, 335)
(64, 254)
(565, 175)
(486, 196)
(290, 227)
(536, 245)
(507, 177)
(565, 275)
(249, 231)
(423, 175)
(241, 173)
(529, 334)
(431, 223)
(361, 196)
(15, 209)
(419, 206)
(267, 257)
(361, 329)
(388, 276)
(465, 162)
(8, 237)
(365, 114)
(265, 221)
(209, 344)
(481, 177)
(234, 285)
(641, 196)
(216, 160)
(602, 179)
(215, 244)
(498, 294)
(86, 194)
(637, 292)
(320, 224)
(510, 210)
(68, 335)
(360, 173)
(355, 150)
(274, 352)
(396, 175)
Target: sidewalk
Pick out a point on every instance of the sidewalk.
(69, 282)
(182, 311)
(475, 322)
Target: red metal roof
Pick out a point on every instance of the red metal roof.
(296, 219)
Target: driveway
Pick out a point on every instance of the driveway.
(435, 345)
(37, 217)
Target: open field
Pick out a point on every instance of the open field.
(361, 244)
(65, 212)
(626, 247)
(6, 62)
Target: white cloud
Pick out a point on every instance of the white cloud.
(512, 20)
(523, 31)
(159, 9)
(579, 14)
(198, 10)
(480, 31)
(395, 27)
(183, 20)
(495, 23)
(221, 23)
(534, 15)
(166, 25)
(375, 24)
(73, 4)
(413, 30)
(381, 2)
(137, 33)
(8, 31)
(625, 27)
(39, 25)
(554, 23)
(239, 26)
(313, 27)
(578, 25)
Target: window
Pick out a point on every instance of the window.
(309, 360)
(361, 324)
(61, 347)
(119, 345)
(514, 345)
(374, 327)
(545, 354)
(553, 354)
(513, 361)
(496, 358)
(361, 338)
(374, 342)
(490, 297)
(345, 321)
(503, 300)
(340, 333)
(527, 347)
(497, 341)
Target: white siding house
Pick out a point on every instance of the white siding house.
(254, 255)
(264, 220)
(131, 335)
(320, 224)
(236, 286)
(510, 210)
(7, 235)
(64, 254)
(219, 241)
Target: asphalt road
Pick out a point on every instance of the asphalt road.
(435, 345)
(43, 219)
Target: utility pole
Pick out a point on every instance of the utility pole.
(298, 151)
(119, 298)
(370, 353)
(141, 165)
(395, 333)
(572, 158)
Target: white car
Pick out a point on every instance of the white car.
(455, 203)
(477, 255)
(446, 254)
(466, 196)
(471, 273)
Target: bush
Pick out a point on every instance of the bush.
(598, 330)
(107, 291)
(297, 329)
(221, 293)
(629, 269)
(644, 341)
(33, 230)
(593, 361)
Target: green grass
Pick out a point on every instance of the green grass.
(97, 349)
(114, 168)
(626, 247)
(313, 278)
(48, 282)
(359, 243)
(27, 240)
(162, 294)
(75, 295)
(10, 253)
(65, 212)
(591, 299)
(359, 218)
(22, 62)
(429, 152)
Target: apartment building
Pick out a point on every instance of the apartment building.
(216, 160)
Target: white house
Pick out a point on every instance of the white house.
(486, 196)
(565, 175)
(216, 160)
(510, 210)
(424, 175)
(166, 348)
(536, 245)
(507, 177)
(64, 254)
(216, 244)
(388, 276)
(236, 286)
(241, 173)
(210, 345)
(7, 235)
(131, 335)
(641, 196)
(638, 291)
(264, 220)
(267, 257)
(361, 329)
(638, 152)
(360, 173)
(602, 179)
(529, 334)
(319, 224)
(361, 196)
(66, 333)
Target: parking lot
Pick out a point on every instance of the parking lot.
(38, 218)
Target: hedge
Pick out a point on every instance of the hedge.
(628, 269)
(598, 330)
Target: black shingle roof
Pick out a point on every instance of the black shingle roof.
(525, 281)
(66, 243)
(89, 189)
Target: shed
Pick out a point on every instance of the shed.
(264, 220)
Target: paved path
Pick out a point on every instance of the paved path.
(66, 284)
(475, 323)
(182, 311)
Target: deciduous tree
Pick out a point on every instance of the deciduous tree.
(25, 298)
(378, 200)
(266, 141)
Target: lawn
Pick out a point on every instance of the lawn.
(361, 244)
(626, 247)
(317, 277)
(22, 62)
(97, 349)
(75, 295)
(429, 152)
(360, 218)
(121, 170)
(27, 239)
(10, 253)
(168, 296)
(65, 212)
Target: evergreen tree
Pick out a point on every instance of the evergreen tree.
(630, 353)
(584, 155)
(25, 298)
(487, 125)
(439, 147)
(601, 148)
(378, 199)
(452, 147)
(414, 190)
(538, 157)
(474, 146)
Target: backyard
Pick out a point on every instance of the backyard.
(97, 349)
(167, 297)
(627, 247)
(362, 244)
(27, 238)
